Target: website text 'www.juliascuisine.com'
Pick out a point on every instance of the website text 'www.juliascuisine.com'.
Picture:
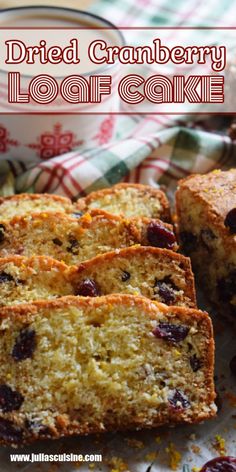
(42, 457)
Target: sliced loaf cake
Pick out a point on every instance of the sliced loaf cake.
(74, 240)
(85, 365)
(128, 200)
(158, 274)
(29, 203)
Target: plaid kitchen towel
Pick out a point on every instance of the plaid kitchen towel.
(148, 148)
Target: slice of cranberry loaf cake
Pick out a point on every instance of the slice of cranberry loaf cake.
(128, 200)
(83, 365)
(159, 274)
(28, 203)
(73, 240)
(25, 279)
(206, 213)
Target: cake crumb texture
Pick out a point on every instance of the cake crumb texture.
(83, 365)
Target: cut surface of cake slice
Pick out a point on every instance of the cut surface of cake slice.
(158, 274)
(24, 279)
(83, 365)
(206, 212)
(130, 200)
(28, 203)
(73, 240)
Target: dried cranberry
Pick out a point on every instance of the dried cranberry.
(227, 286)
(2, 233)
(195, 363)
(10, 432)
(73, 247)
(9, 399)
(125, 276)
(220, 464)
(4, 278)
(88, 288)
(165, 289)
(178, 400)
(188, 240)
(232, 365)
(57, 242)
(160, 236)
(77, 214)
(230, 221)
(25, 344)
(171, 332)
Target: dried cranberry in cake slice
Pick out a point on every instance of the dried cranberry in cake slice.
(130, 200)
(230, 220)
(206, 214)
(156, 233)
(73, 240)
(88, 288)
(25, 345)
(9, 400)
(171, 332)
(159, 236)
(97, 366)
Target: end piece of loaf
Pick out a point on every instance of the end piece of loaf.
(28, 203)
(84, 365)
(129, 200)
(206, 211)
(158, 274)
(74, 240)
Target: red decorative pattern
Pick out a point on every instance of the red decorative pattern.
(52, 144)
(5, 141)
(106, 130)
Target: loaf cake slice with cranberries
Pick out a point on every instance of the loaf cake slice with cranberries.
(159, 274)
(81, 365)
(73, 240)
(28, 203)
(206, 211)
(128, 200)
(24, 279)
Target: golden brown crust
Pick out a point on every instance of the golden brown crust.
(83, 204)
(31, 308)
(44, 262)
(36, 196)
(217, 192)
(65, 427)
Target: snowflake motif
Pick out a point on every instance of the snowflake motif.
(52, 144)
(5, 141)
(106, 130)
